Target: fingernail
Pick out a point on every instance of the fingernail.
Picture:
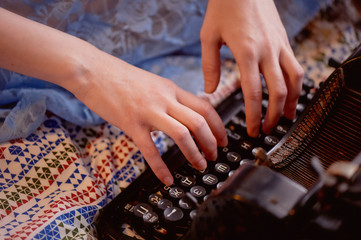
(224, 141)
(266, 129)
(168, 181)
(210, 157)
(252, 132)
(208, 87)
(202, 165)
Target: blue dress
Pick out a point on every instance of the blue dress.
(161, 36)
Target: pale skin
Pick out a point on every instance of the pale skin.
(252, 29)
(113, 88)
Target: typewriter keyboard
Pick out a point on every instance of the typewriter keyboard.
(157, 211)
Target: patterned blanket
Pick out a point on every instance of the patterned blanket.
(53, 182)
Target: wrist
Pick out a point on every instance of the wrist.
(73, 66)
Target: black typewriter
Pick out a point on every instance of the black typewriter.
(302, 181)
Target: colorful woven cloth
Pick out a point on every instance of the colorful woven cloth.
(53, 182)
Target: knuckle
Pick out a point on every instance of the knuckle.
(249, 51)
(254, 94)
(207, 109)
(206, 36)
(298, 73)
(267, 46)
(198, 123)
(251, 47)
(280, 94)
(181, 134)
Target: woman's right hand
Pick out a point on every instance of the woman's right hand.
(139, 102)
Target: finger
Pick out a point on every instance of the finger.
(199, 129)
(211, 63)
(206, 110)
(293, 74)
(182, 137)
(146, 146)
(277, 93)
(252, 91)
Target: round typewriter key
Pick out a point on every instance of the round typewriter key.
(192, 214)
(235, 120)
(232, 135)
(231, 173)
(308, 84)
(254, 151)
(300, 107)
(187, 181)
(264, 104)
(201, 172)
(141, 208)
(246, 160)
(242, 123)
(210, 179)
(265, 92)
(303, 96)
(246, 145)
(154, 198)
(271, 140)
(222, 168)
(173, 214)
(191, 198)
(310, 96)
(198, 191)
(150, 217)
(176, 192)
(164, 204)
(185, 203)
(205, 197)
(233, 157)
(281, 129)
(219, 185)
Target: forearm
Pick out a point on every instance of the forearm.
(36, 50)
(132, 99)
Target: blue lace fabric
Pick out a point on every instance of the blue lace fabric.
(147, 33)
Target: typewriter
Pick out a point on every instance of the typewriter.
(303, 181)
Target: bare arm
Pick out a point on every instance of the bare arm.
(36, 50)
(132, 99)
